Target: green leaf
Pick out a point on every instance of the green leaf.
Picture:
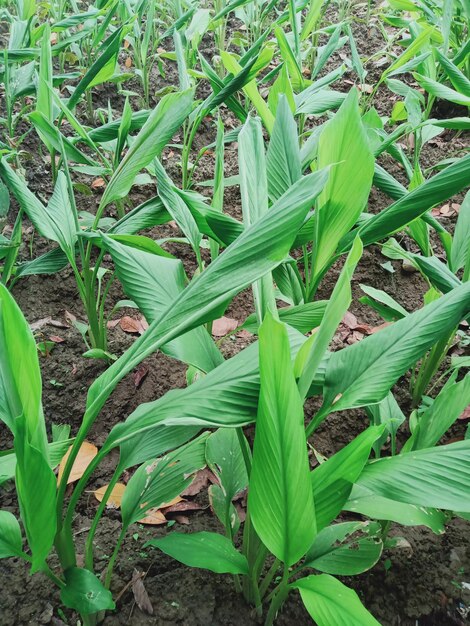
(20, 377)
(434, 422)
(363, 373)
(414, 48)
(280, 499)
(283, 156)
(256, 251)
(365, 502)
(441, 91)
(460, 251)
(101, 70)
(330, 602)
(157, 482)
(205, 550)
(54, 139)
(346, 549)
(55, 221)
(226, 396)
(414, 204)
(311, 353)
(383, 303)
(225, 459)
(153, 282)
(343, 145)
(157, 131)
(332, 481)
(11, 541)
(434, 477)
(36, 489)
(458, 79)
(84, 592)
(177, 208)
(303, 317)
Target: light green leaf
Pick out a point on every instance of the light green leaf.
(157, 131)
(365, 502)
(84, 592)
(157, 482)
(280, 499)
(11, 541)
(434, 477)
(330, 602)
(205, 550)
(363, 373)
(344, 146)
(460, 251)
(346, 549)
(332, 481)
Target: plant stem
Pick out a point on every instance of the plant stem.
(279, 598)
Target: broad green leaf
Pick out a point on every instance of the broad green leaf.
(226, 396)
(344, 146)
(84, 592)
(36, 489)
(251, 91)
(434, 477)
(366, 502)
(54, 140)
(256, 251)
(412, 50)
(56, 451)
(205, 550)
(224, 457)
(159, 481)
(345, 549)
(280, 499)
(442, 91)
(101, 70)
(332, 481)
(383, 303)
(153, 282)
(458, 79)
(55, 221)
(330, 602)
(157, 131)
(435, 190)
(303, 317)
(434, 422)
(311, 353)
(177, 208)
(363, 373)
(317, 102)
(11, 541)
(283, 156)
(254, 197)
(20, 377)
(460, 251)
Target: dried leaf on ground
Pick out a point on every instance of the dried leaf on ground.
(132, 325)
(223, 326)
(201, 481)
(115, 499)
(140, 374)
(154, 517)
(140, 593)
(85, 455)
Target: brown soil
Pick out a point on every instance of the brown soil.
(417, 585)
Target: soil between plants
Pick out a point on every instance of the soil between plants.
(419, 584)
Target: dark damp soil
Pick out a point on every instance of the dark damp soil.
(425, 582)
